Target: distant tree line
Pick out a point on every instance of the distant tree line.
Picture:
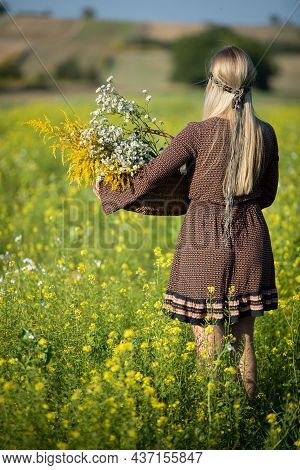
(70, 69)
(191, 55)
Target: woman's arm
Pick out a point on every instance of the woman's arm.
(269, 183)
(180, 150)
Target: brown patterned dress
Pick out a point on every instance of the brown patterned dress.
(210, 282)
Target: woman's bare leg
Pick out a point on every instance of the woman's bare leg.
(243, 331)
(208, 339)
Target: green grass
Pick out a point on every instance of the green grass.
(87, 360)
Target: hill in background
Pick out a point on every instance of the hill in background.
(137, 54)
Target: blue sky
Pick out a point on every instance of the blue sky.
(219, 11)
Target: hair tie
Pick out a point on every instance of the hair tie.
(239, 94)
(239, 97)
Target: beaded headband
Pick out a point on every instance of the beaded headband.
(239, 94)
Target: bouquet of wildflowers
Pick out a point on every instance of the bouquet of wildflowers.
(120, 138)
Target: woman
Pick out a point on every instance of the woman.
(223, 269)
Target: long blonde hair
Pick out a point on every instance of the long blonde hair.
(228, 94)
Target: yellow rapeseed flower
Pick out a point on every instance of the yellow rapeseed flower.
(138, 376)
(42, 342)
(211, 386)
(140, 271)
(161, 421)
(149, 390)
(12, 360)
(76, 394)
(157, 251)
(62, 445)
(123, 347)
(81, 268)
(8, 385)
(271, 418)
(157, 404)
(39, 386)
(209, 329)
(230, 370)
(128, 333)
(190, 345)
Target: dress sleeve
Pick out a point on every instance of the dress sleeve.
(181, 150)
(269, 183)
